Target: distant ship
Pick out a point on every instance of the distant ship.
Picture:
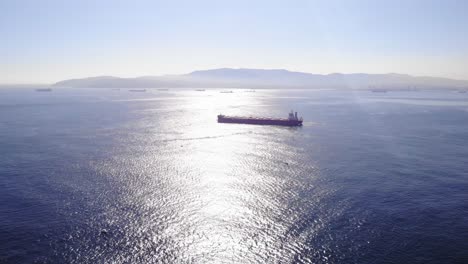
(379, 91)
(292, 120)
(44, 90)
(137, 90)
(163, 89)
(226, 92)
(200, 90)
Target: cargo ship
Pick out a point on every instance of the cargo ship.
(137, 90)
(43, 90)
(378, 90)
(292, 120)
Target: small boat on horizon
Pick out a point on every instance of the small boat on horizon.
(379, 91)
(44, 90)
(137, 90)
(226, 92)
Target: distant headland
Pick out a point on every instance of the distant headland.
(262, 78)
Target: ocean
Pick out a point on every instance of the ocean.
(113, 176)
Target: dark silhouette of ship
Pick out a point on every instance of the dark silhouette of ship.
(292, 120)
(43, 90)
(137, 90)
(379, 90)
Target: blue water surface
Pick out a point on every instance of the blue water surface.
(111, 176)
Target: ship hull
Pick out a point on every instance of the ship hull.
(259, 121)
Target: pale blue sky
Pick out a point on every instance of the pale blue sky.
(50, 40)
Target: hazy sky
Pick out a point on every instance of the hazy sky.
(46, 41)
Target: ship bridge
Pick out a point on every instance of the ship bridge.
(293, 116)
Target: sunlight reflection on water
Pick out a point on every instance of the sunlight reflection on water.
(221, 190)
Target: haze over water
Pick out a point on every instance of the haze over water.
(102, 176)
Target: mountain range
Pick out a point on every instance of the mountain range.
(261, 78)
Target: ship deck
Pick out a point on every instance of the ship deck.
(255, 118)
